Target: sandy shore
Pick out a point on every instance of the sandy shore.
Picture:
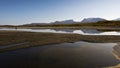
(40, 39)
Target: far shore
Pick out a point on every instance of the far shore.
(80, 27)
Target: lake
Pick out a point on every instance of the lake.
(65, 55)
(73, 31)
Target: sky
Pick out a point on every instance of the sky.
(17, 12)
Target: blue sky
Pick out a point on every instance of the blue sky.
(45, 11)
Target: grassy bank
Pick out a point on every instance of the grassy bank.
(40, 39)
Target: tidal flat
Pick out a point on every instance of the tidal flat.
(22, 39)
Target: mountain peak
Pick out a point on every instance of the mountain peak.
(87, 20)
(68, 21)
(118, 19)
(64, 22)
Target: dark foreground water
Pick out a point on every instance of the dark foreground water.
(66, 55)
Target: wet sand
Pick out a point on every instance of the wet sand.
(41, 39)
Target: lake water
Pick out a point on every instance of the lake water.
(73, 31)
(65, 55)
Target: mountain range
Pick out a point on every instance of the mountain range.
(71, 21)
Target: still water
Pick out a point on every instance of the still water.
(65, 55)
(73, 31)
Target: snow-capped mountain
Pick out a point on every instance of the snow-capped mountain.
(87, 20)
(118, 19)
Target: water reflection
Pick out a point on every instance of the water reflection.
(72, 31)
(66, 55)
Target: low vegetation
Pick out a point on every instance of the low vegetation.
(77, 24)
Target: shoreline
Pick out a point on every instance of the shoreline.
(79, 27)
(42, 39)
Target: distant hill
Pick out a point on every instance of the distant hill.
(88, 20)
(34, 24)
(56, 22)
(64, 22)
